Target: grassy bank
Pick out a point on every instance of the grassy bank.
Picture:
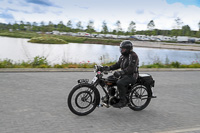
(41, 62)
(19, 34)
(47, 40)
(35, 38)
(172, 65)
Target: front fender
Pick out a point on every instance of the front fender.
(96, 91)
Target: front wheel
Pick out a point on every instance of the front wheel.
(82, 100)
(139, 98)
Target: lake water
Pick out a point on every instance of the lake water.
(18, 50)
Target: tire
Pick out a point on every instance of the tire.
(83, 99)
(136, 97)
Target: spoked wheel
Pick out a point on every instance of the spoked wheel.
(139, 97)
(82, 100)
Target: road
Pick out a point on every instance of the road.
(35, 102)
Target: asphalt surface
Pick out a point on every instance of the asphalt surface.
(35, 102)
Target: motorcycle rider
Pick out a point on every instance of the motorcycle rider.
(128, 62)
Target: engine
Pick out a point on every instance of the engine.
(112, 91)
(113, 95)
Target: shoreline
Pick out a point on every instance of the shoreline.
(164, 45)
(143, 44)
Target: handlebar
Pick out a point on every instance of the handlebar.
(99, 69)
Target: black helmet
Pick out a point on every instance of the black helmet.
(127, 45)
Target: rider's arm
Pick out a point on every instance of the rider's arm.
(116, 65)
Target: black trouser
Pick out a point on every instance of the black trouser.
(123, 83)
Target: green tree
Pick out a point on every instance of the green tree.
(69, 24)
(104, 28)
(50, 26)
(3, 26)
(21, 26)
(79, 25)
(198, 34)
(90, 27)
(151, 25)
(179, 23)
(35, 26)
(42, 26)
(61, 26)
(199, 25)
(118, 28)
(175, 32)
(9, 26)
(28, 26)
(154, 32)
(132, 27)
(186, 31)
(114, 32)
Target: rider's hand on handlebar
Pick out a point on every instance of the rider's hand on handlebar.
(105, 68)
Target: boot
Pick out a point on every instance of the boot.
(121, 103)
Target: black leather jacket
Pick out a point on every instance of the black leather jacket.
(129, 64)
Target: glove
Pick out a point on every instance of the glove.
(105, 68)
(118, 74)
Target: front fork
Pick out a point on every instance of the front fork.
(102, 84)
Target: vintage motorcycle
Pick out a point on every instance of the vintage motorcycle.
(85, 96)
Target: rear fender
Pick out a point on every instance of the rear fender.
(147, 86)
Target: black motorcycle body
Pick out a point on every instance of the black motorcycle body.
(85, 96)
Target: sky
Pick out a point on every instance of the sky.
(162, 12)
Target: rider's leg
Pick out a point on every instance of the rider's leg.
(122, 87)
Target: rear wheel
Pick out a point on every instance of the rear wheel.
(139, 97)
(82, 100)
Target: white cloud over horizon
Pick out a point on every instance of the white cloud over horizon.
(141, 12)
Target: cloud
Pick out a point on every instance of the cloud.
(40, 2)
(9, 1)
(35, 9)
(140, 11)
(6, 16)
(163, 12)
(57, 12)
(15, 10)
(38, 10)
(83, 7)
(10, 9)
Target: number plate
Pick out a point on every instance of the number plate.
(83, 80)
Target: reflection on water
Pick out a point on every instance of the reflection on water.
(18, 49)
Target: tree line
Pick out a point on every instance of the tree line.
(178, 30)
